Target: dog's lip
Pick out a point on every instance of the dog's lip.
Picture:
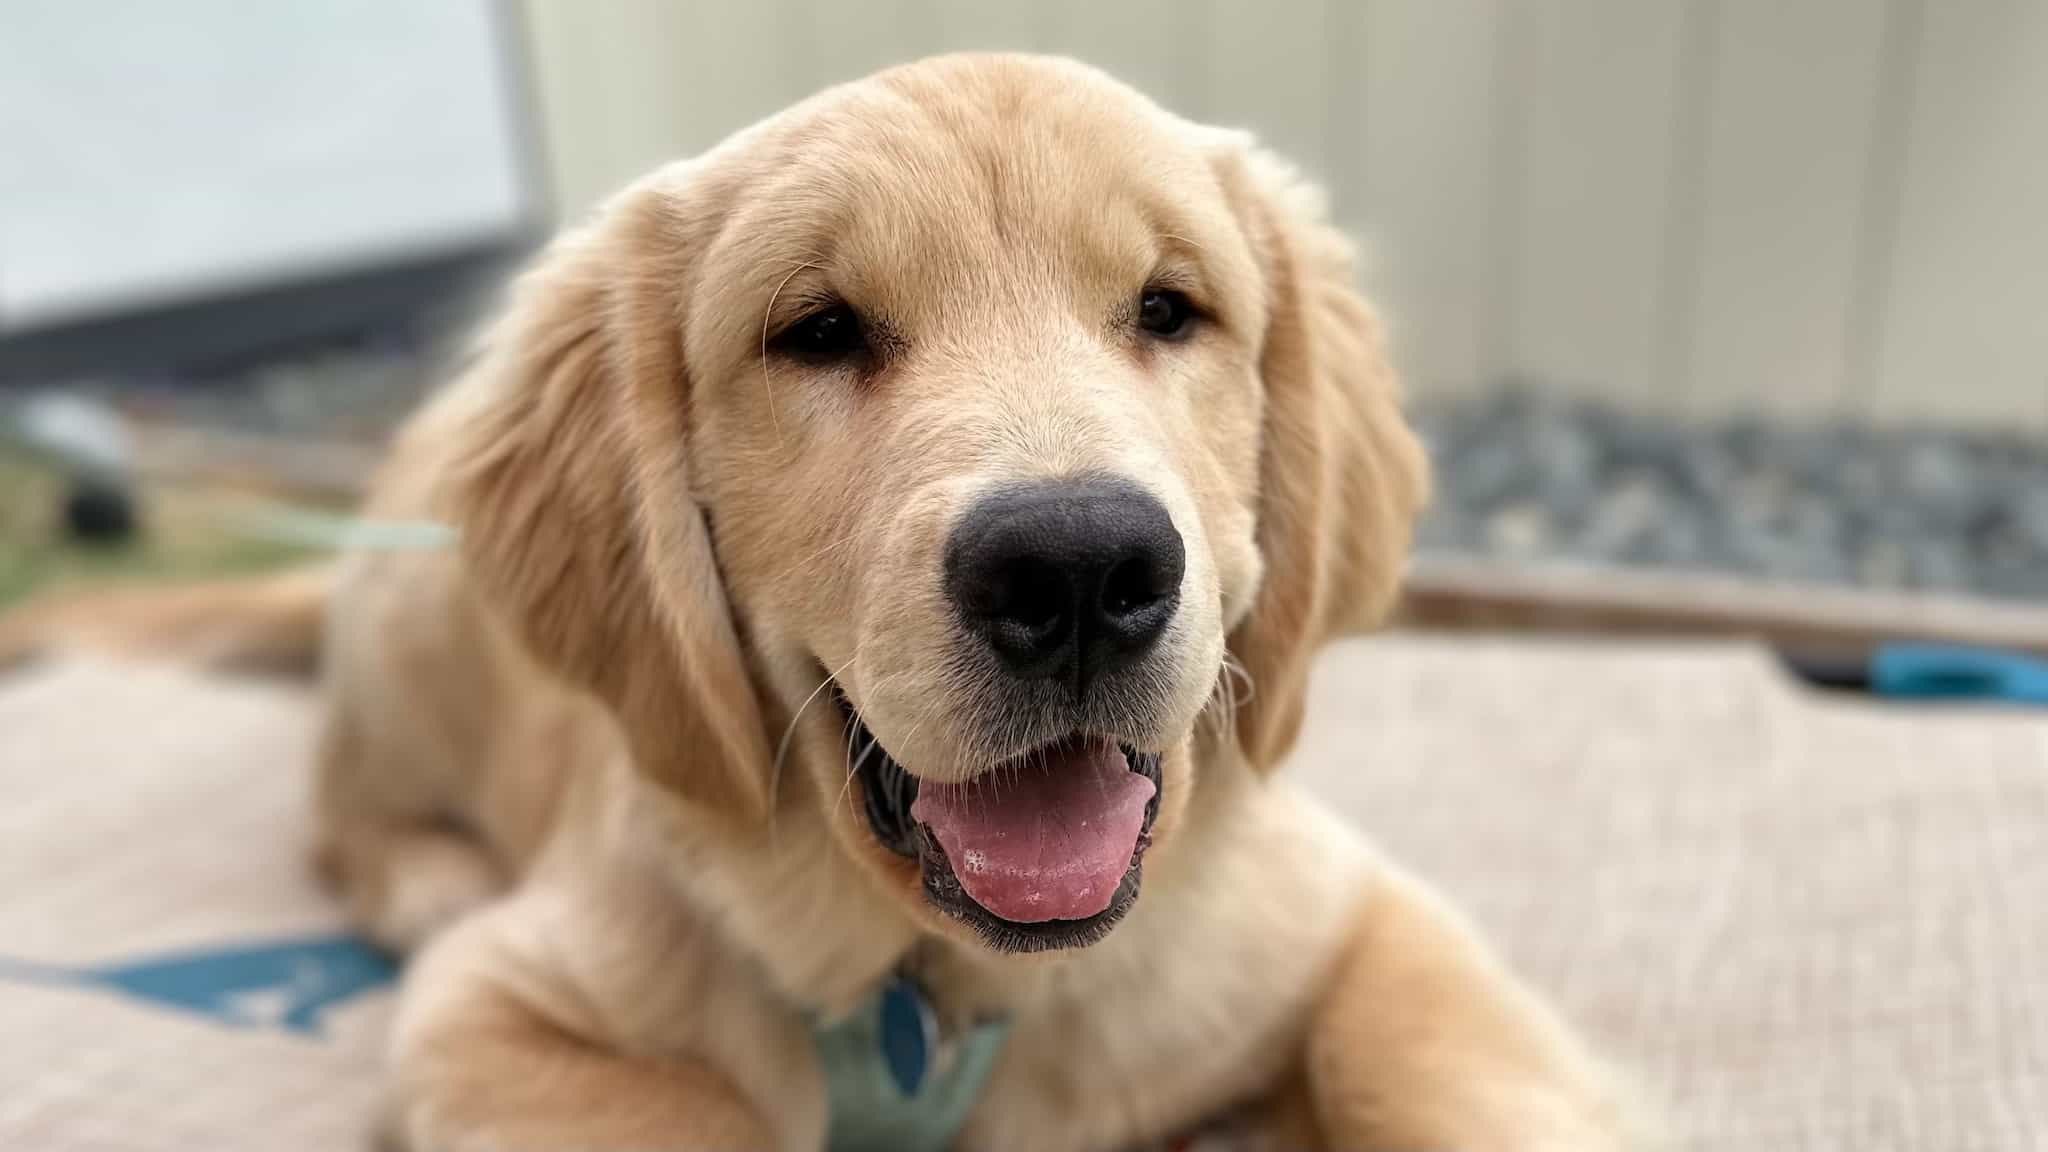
(888, 790)
(863, 739)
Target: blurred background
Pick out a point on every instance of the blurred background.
(1720, 287)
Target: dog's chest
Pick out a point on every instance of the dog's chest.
(1146, 1070)
(1195, 1004)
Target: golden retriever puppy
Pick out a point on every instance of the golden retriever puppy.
(892, 546)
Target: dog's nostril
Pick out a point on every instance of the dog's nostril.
(1031, 595)
(1130, 587)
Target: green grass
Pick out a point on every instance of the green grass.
(183, 537)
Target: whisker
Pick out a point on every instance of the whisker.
(767, 314)
(1221, 709)
(1235, 668)
(788, 735)
(853, 764)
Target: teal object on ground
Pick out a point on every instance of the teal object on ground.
(286, 984)
(1957, 672)
(890, 1087)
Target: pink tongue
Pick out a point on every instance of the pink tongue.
(1048, 842)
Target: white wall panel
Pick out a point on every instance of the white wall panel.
(1004, 25)
(1268, 70)
(1413, 169)
(627, 85)
(1594, 101)
(844, 40)
(1133, 39)
(1963, 330)
(1791, 105)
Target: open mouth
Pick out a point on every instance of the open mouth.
(1044, 852)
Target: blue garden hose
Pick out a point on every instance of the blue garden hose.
(1956, 672)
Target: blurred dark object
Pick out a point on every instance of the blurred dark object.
(235, 332)
(99, 511)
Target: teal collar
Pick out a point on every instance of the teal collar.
(891, 1084)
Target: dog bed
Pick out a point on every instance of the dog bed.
(1805, 923)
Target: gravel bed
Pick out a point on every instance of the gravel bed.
(1529, 477)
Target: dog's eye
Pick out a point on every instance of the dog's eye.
(830, 334)
(1165, 313)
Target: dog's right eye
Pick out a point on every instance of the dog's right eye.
(828, 335)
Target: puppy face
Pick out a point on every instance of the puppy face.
(979, 439)
(970, 419)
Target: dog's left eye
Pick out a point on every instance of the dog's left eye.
(830, 334)
(1165, 313)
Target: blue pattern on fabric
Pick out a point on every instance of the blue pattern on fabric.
(287, 985)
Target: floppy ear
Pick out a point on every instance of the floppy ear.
(1341, 476)
(570, 490)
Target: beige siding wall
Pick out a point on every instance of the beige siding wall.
(1692, 207)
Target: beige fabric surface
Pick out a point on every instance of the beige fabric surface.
(1805, 924)
(150, 813)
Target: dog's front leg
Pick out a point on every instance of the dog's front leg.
(1423, 1042)
(495, 1052)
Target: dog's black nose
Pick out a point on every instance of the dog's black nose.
(1066, 579)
